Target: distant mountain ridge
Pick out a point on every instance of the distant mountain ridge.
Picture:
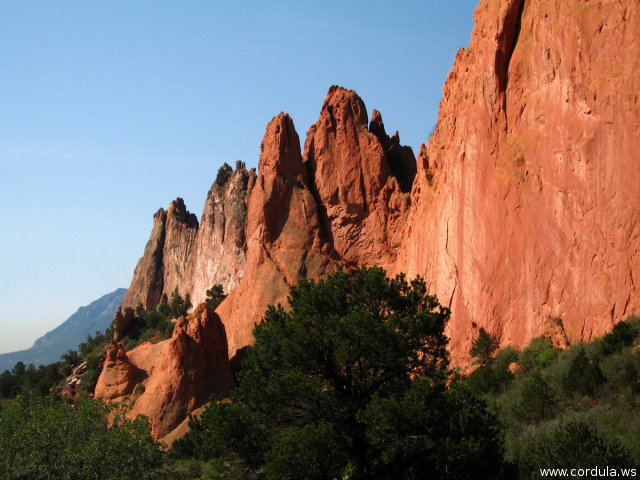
(97, 316)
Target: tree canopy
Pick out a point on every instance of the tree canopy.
(484, 347)
(51, 439)
(349, 383)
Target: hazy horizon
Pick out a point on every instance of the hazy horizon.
(110, 111)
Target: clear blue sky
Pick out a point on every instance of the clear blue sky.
(110, 110)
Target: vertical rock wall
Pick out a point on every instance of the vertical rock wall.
(525, 206)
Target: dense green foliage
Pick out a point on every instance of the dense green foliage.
(574, 444)
(30, 382)
(223, 176)
(43, 437)
(484, 347)
(350, 383)
(48, 439)
(176, 307)
(215, 296)
(577, 407)
(154, 324)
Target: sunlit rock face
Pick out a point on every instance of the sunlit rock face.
(189, 256)
(167, 380)
(525, 206)
(521, 212)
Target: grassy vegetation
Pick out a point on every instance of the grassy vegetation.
(588, 394)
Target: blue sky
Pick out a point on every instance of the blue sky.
(110, 110)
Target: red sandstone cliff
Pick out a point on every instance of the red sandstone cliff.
(262, 234)
(524, 205)
(533, 208)
(339, 203)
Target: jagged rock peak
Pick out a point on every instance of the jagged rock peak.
(343, 104)
(356, 180)
(401, 160)
(280, 149)
(178, 210)
(178, 374)
(163, 263)
(376, 126)
(160, 215)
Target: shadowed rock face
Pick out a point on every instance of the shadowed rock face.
(148, 278)
(162, 267)
(532, 211)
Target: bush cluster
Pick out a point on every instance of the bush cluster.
(578, 406)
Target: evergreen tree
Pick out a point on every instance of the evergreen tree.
(215, 296)
(584, 376)
(350, 382)
(576, 445)
(484, 347)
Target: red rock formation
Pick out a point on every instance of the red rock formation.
(285, 239)
(161, 268)
(219, 253)
(181, 229)
(148, 281)
(524, 206)
(532, 211)
(176, 376)
(122, 322)
(182, 254)
(362, 202)
(118, 376)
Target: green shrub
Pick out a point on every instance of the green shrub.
(539, 354)
(630, 377)
(51, 439)
(153, 319)
(572, 445)
(584, 377)
(623, 335)
(223, 176)
(484, 347)
(91, 374)
(215, 296)
(535, 400)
